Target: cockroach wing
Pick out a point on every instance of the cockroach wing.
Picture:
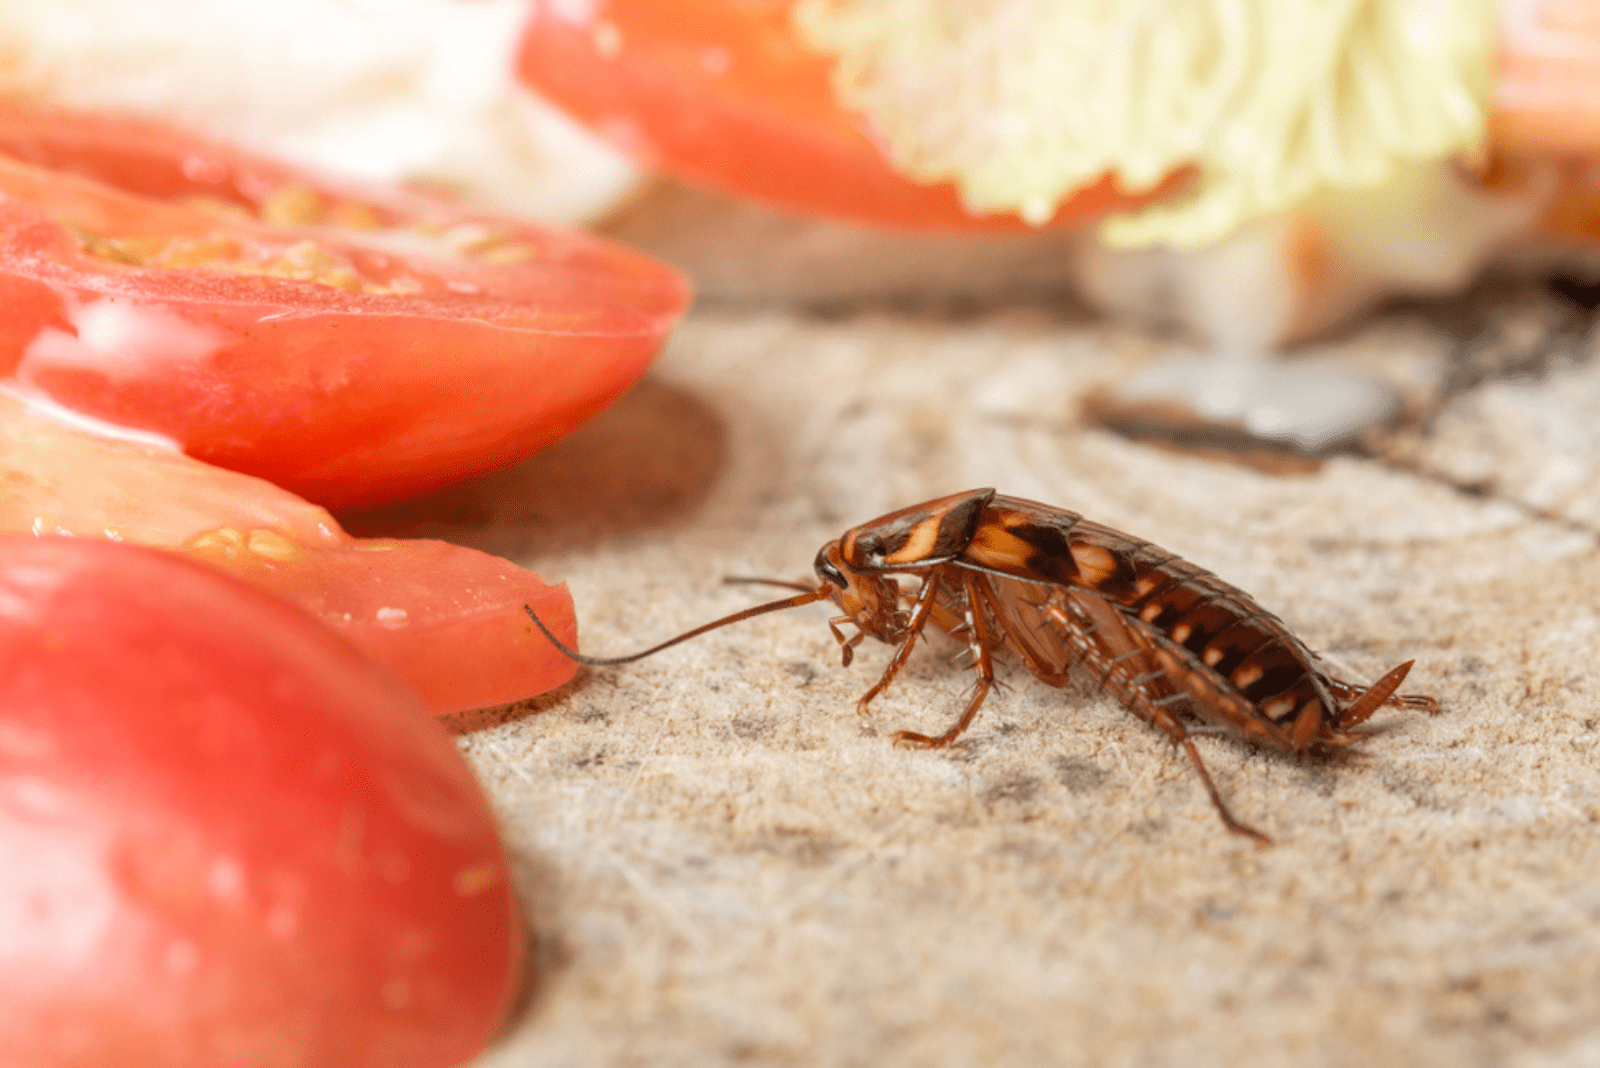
(916, 537)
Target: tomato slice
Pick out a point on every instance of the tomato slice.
(725, 93)
(352, 345)
(233, 839)
(1547, 99)
(447, 619)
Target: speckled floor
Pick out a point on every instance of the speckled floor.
(724, 864)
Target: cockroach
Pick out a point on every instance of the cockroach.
(1053, 590)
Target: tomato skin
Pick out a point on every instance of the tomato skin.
(723, 92)
(246, 844)
(1547, 93)
(346, 397)
(447, 619)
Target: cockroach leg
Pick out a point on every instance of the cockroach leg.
(1216, 798)
(952, 623)
(920, 612)
(1180, 737)
(1024, 651)
(925, 741)
(980, 647)
(847, 646)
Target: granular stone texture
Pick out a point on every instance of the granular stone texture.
(724, 864)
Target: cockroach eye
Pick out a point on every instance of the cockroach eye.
(828, 571)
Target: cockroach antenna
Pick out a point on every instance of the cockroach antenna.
(811, 596)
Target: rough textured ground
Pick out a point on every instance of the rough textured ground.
(725, 865)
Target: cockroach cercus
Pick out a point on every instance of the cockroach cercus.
(1050, 589)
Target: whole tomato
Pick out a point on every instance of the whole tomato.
(229, 839)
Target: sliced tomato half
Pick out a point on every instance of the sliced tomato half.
(1547, 99)
(352, 345)
(230, 838)
(447, 619)
(725, 93)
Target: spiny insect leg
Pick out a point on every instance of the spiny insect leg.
(919, 619)
(1122, 654)
(1228, 819)
(984, 665)
(925, 741)
(1158, 713)
(847, 646)
(1008, 617)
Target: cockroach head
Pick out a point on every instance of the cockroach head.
(870, 600)
(827, 565)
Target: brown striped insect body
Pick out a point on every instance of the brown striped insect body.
(1052, 590)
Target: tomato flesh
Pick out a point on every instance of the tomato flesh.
(725, 93)
(232, 838)
(353, 346)
(447, 619)
(1547, 97)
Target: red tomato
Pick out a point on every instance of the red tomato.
(724, 92)
(1547, 96)
(447, 619)
(353, 346)
(231, 839)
